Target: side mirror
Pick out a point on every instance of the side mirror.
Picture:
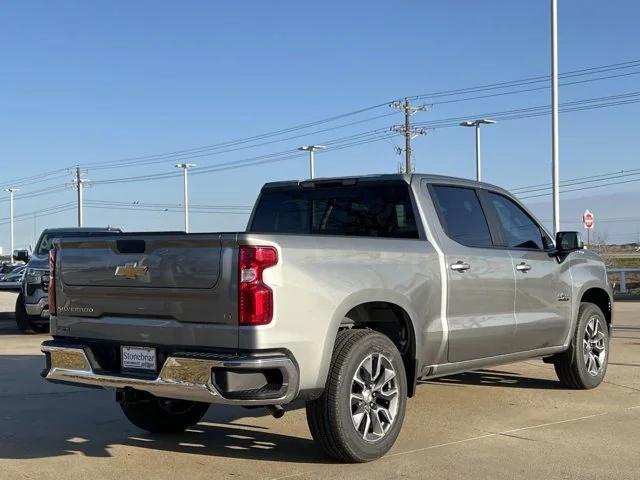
(567, 242)
(21, 256)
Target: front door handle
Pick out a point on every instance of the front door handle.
(460, 266)
(523, 267)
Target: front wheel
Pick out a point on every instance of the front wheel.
(360, 413)
(25, 322)
(163, 415)
(584, 365)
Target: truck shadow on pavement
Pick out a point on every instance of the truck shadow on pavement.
(495, 378)
(8, 326)
(42, 420)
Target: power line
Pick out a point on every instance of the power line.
(368, 137)
(173, 155)
(375, 135)
(590, 187)
(215, 148)
(632, 171)
(530, 80)
(49, 211)
(363, 138)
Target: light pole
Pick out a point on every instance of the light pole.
(555, 149)
(11, 192)
(311, 149)
(476, 124)
(185, 167)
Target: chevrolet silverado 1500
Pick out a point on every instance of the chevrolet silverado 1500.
(341, 292)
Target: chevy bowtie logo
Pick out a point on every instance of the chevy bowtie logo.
(131, 270)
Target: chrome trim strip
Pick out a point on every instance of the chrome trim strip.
(180, 377)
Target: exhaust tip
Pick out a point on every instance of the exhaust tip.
(276, 411)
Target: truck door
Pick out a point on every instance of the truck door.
(480, 278)
(543, 286)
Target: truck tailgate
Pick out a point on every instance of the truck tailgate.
(187, 278)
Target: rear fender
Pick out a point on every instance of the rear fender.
(352, 301)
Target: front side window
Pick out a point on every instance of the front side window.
(462, 216)
(518, 228)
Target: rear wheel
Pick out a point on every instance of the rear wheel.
(360, 413)
(163, 415)
(584, 365)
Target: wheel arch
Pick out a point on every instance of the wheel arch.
(380, 311)
(600, 297)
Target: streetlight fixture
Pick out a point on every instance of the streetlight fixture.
(476, 124)
(11, 191)
(185, 167)
(311, 149)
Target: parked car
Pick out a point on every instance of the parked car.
(341, 292)
(12, 280)
(32, 312)
(7, 268)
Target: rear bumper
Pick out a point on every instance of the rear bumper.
(182, 377)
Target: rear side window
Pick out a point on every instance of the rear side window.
(365, 210)
(518, 228)
(462, 216)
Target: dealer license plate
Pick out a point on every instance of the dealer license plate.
(138, 358)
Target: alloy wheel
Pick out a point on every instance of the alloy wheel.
(374, 397)
(594, 346)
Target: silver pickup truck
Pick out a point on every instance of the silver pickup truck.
(342, 292)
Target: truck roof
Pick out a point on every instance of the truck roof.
(408, 178)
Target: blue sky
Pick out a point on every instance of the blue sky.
(84, 82)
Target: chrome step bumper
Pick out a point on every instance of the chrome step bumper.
(180, 377)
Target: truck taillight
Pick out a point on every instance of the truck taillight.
(255, 299)
(52, 282)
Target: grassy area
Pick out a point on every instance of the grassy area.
(624, 262)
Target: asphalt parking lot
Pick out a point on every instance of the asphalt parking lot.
(514, 421)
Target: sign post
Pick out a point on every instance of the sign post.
(588, 221)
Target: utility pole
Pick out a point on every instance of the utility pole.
(476, 124)
(79, 183)
(311, 149)
(185, 167)
(11, 191)
(555, 150)
(407, 130)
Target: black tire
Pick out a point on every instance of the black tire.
(330, 416)
(164, 415)
(571, 366)
(23, 321)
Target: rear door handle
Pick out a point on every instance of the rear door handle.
(523, 267)
(460, 266)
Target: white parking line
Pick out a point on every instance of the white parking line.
(504, 432)
(479, 437)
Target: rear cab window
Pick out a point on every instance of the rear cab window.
(365, 209)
